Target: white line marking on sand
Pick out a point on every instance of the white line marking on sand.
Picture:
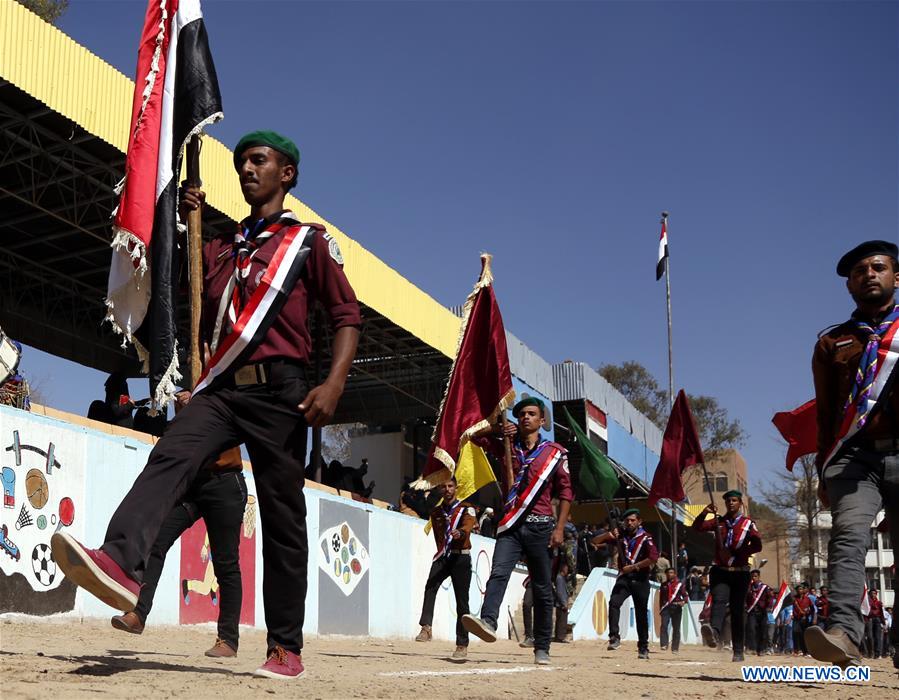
(470, 672)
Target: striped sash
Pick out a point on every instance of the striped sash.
(672, 596)
(634, 545)
(263, 306)
(453, 518)
(762, 588)
(737, 531)
(540, 469)
(887, 357)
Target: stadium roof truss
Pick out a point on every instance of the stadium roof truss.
(57, 180)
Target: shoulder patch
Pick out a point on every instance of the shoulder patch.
(334, 249)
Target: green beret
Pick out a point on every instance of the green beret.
(529, 401)
(734, 492)
(275, 141)
(631, 511)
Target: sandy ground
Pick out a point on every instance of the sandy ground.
(70, 659)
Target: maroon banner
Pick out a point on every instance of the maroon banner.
(480, 383)
(680, 449)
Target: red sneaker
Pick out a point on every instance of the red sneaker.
(95, 571)
(281, 664)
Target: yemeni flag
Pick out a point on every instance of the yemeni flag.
(680, 449)
(781, 596)
(799, 428)
(480, 382)
(865, 602)
(176, 95)
(596, 475)
(663, 249)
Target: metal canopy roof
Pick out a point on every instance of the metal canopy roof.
(56, 196)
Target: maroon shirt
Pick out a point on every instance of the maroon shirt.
(647, 550)
(666, 590)
(558, 485)
(322, 279)
(741, 554)
(765, 600)
(876, 610)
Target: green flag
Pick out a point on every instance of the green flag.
(597, 475)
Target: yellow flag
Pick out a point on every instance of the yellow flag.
(473, 472)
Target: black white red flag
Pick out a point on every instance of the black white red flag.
(663, 250)
(176, 95)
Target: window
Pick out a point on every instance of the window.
(719, 483)
(885, 539)
(889, 580)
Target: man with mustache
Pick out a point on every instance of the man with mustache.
(736, 539)
(259, 287)
(858, 440)
(637, 555)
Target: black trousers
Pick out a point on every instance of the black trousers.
(729, 591)
(875, 637)
(529, 540)
(265, 418)
(757, 631)
(799, 627)
(637, 589)
(527, 611)
(458, 568)
(672, 614)
(219, 498)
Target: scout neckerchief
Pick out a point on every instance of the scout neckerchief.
(867, 366)
(247, 241)
(737, 531)
(874, 372)
(672, 595)
(524, 460)
(761, 588)
(536, 468)
(265, 303)
(634, 544)
(453, 514)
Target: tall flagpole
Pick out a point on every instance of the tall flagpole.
(664, 223)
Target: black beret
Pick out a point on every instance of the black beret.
(630, 511)
(865, 250)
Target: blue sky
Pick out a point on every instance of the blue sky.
(552, 134)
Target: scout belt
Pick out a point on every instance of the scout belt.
(249, 375)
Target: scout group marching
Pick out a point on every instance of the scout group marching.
(260, 282)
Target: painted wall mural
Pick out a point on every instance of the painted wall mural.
(42, 475)
(199, 589)
(343, 566)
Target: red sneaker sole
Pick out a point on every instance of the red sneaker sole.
(83, 572)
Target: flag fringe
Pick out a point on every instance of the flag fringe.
(167, 387)
(484, 281)
(152, 74)
(126, 243)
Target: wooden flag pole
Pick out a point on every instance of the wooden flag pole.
(195, 259)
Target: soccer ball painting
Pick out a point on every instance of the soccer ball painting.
(43, 565)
